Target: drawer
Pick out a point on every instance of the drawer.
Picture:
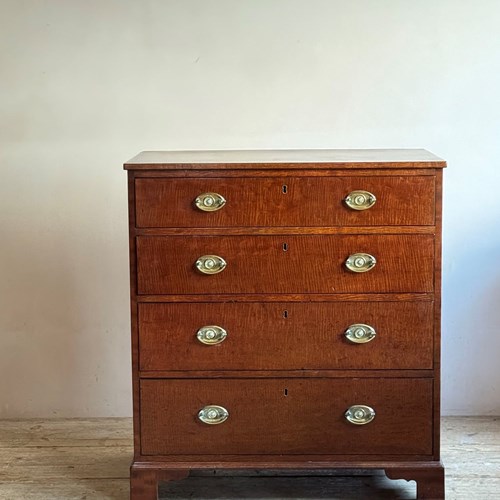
(285, 201)
(286, 416)
(285, 336)
(284, 264)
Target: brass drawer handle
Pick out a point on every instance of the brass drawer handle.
(360, 333)
(213, 414)
(360, 414)
(360, 262)
(209, 202)
(210, 264)
(211, 335)
(360, 200)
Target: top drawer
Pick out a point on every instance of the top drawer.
(285, 201)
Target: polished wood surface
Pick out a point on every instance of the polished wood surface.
(133, 314)
(312, 171)
(305, 373)
(292, 158)
(285, 264)
(437, 315)
(286, 336)
(62, 459)
(295, 373)
(430, 480)
(297, 297)
(144, 481)
(285, 234)
(234, 231)
(286, 417)
(285, 201)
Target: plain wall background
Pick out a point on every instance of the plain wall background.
(86, 85)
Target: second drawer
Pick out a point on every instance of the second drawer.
(286, 336)
(284, 264)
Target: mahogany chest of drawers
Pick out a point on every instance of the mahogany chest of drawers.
(285, 313)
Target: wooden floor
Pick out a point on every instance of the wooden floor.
(89, 459)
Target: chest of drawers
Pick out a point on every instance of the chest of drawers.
(285, 313)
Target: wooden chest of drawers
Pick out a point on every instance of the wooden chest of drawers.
(286, 313)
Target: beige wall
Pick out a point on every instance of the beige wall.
(87, 84)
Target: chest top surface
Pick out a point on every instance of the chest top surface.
(285, 159)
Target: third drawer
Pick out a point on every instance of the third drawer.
(286, 336)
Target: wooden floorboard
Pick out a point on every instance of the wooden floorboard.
(89, 459)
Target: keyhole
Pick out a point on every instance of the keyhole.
(284, 188)
(285, 247)
(286, 392)
(285, 314)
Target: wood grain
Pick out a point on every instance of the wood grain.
(290, 159)
(234, 231)
(286, 336)
(470, 449)
(437, 314)
(134, 338)
(285, 234)
(259, 264)
(286, 416)
(280, 172)
(77, 433)
(297, 297)
(337, 373)
(430, 480)
(285, 201)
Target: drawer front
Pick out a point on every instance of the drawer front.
(284, 264)
(286, 416)
(285, 201)
(285, 336)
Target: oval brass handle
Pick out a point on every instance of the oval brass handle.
(360, 200)
(213, 414)
(210, 264)
(211, 334)
(209, 202)
(360, 262)
(360, 414)
(360, 333)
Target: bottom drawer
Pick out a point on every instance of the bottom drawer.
(286, 416)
